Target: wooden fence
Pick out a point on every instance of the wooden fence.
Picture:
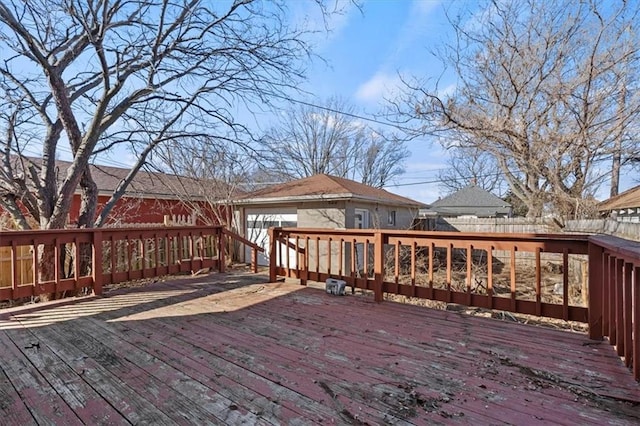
(508, 225)
(463, 268)
(57, 261)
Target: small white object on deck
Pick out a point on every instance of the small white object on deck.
(334, 286)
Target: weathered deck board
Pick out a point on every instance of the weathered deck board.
(82, 398)
(284, 340)
(213, 350)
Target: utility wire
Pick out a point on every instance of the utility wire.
(348, 114)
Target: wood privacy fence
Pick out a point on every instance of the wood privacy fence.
(56, 261)
(520, 273)
(508, 225)
(627, 230)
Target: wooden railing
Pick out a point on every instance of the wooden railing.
(571, 277)
(74, 259)
(614, 305)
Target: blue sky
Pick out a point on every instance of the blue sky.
(365, 53)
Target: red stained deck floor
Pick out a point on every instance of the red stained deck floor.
(227, 349)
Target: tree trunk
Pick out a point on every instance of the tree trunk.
(615, 169)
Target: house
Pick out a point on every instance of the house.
(471, 202)
(624, 207)
(151, 197)
(322, 201)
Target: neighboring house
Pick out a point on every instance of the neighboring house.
(470, 202)
(149, 199)
(322, 201)
(624, 207)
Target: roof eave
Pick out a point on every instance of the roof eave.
(323, 197)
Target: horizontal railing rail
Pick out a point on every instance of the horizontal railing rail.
(69, 260)
(390, 261)
(575, 277)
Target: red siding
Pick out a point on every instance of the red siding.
(142, 210)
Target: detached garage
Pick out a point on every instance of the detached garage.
(321, 201)
(259, 220)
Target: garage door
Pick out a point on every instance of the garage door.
(258, 225)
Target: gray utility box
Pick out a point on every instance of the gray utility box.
(336, 287)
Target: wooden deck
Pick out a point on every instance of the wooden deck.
(227, 349)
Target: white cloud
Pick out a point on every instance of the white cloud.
(424, 7)
(378, 87)
(419, 24)
(324, 28)
(447, 91)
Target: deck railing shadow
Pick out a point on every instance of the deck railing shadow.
(126, 300)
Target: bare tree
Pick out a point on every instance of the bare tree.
(90, 77)
(207, 175)
(546, 88)
(471, 166)
(330, 139)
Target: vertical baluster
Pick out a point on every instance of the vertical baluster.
(565, 284)
(413, 268)
(449, 268)
(538, 282)
(490, 277)
(513, 278)
(396, 271)
(469, 272)
(626, 346)
(432, 247)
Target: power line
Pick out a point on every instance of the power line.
(439, 180)
(348, 114)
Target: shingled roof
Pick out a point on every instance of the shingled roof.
(471, 200)
(629, 199)
(325, 187)
(145, 184)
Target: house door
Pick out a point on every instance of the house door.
(361, 219)
(258, 224)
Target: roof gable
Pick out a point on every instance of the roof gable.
(627, 199)
(470, 196)
(321, 187)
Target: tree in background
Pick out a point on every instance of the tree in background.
(548, 89)
(471, 166)
(330, 139)
(88, 77)
(209, 175)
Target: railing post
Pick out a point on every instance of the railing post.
(254, 260)
(596, 271)
(221, 248)
(273, 244)
(378, 265)
(636, 323)
(97, 262)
